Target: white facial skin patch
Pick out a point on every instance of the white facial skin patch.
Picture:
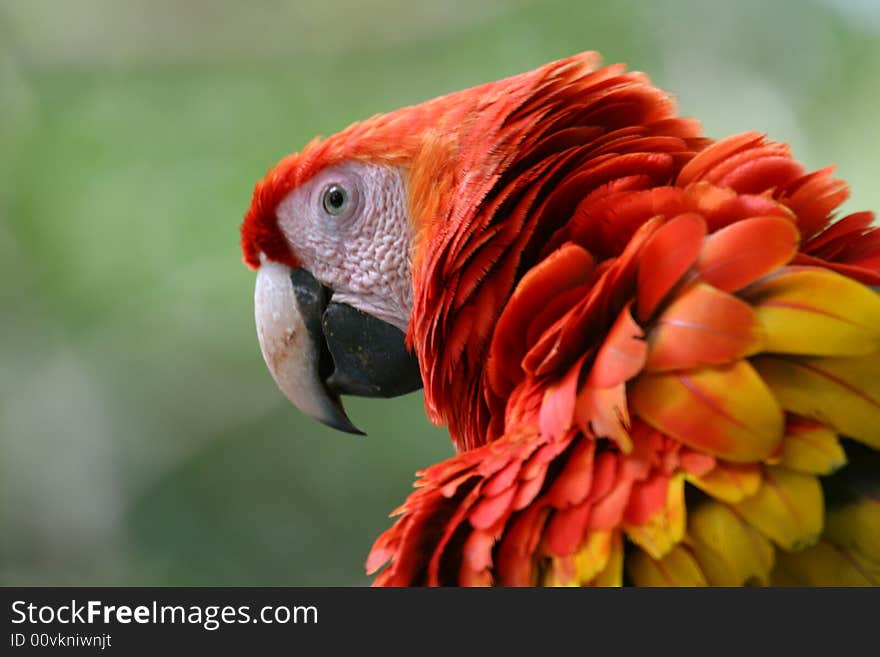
(363, 253)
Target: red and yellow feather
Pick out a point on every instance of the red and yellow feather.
(658, 355)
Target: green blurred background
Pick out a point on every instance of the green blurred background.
(142, 440)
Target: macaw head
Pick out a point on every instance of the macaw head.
(330, 233)
(387, 252)
(337, 231)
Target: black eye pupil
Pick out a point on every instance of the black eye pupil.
(335, 198)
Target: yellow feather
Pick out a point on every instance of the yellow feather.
(666, 527)
(820, 565)
(841, 392)
(560, 573)
(814, 451)
(584, 565)
(729, 551)
(729, 482)
(612, 573)
(726, 411)
(788, 508)
(855, 527)
(592, 557)
(678, 568)
(816, 312)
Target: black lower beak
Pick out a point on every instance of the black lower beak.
(360, 354)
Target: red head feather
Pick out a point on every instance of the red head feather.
(396, 138)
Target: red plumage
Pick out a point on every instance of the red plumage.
(582, 319)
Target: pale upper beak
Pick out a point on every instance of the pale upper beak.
(317, 349)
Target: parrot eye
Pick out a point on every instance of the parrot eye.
(335, 199)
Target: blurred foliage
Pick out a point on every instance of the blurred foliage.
(142, 440)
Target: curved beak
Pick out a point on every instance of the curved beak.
(317, 349)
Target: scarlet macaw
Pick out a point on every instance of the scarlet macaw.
(658, 355)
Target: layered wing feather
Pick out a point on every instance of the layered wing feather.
(658, 356)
